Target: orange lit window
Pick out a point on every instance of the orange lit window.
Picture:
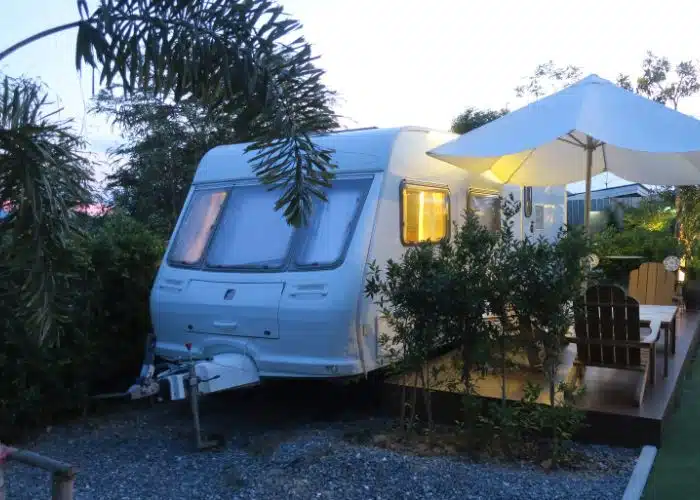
(192, 237)
(425, 214)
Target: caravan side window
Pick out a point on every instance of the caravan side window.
(425, 213)
(539, 217)
(194, 231)
(487, 207)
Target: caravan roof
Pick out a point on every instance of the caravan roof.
(368, 150)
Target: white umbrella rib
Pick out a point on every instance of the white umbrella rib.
(527, 157)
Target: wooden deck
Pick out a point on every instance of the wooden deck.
(612, 415)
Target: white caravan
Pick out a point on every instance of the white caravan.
(248, 297)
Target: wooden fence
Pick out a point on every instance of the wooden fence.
(62, 474)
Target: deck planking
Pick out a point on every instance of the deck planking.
(612, 415)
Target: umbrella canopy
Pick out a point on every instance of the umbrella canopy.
(590, 127)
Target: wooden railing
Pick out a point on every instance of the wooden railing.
(62, 474)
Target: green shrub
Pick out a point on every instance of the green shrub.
(439, 295)
(40, 381)
(104, 280)
(650, 245)
(124, 254)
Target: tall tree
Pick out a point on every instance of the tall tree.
(654, 82)
(237, 54)
(163, 142)
(546, 79)
(473, 118)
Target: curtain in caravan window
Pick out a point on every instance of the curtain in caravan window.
(250, 232)
(197, 225)
(487, 207)
(425, 214)
(331, 224)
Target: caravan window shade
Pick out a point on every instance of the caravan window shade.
(250, 232)
(487, 207)
(425, 214)
(192, 237)
(331, 223)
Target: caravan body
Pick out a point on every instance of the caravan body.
(242, 288)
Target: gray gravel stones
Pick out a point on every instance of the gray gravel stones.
(147, 454)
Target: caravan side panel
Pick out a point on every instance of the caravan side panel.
(409, 162)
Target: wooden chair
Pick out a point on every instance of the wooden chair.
(651, 283)
(607, 331)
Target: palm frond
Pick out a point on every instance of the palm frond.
(237, 54)
(43, 177)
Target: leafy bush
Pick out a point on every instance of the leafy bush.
(124, 255)
(449, 295)
(435, 297)
(543, 319)
(653, 214)
(40, 380)
(104, 278)
(650, 245)
(648, 232)
(689, 221)
(527, 429)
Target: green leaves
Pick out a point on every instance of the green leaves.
(43, 177)
(233, 56)
(473, 118)
(162, 143)
(546, 79)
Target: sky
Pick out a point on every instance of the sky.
(406, 62)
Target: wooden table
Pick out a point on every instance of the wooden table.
(666, 315)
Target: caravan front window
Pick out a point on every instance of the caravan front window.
(192, 237)
(251, 234)
(332, 222)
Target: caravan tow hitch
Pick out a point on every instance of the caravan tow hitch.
(148, 385)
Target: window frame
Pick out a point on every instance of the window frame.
(492, 193)
(431, 186)
(176, 231)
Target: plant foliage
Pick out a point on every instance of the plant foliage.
(105, 285)
(44, 176)
(473, 118)
(486, 294)
(228, 54)
(163, 142)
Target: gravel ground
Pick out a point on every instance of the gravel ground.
(147, 453)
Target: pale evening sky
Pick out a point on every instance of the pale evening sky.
(408, 62)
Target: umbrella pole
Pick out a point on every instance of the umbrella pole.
(589, 167)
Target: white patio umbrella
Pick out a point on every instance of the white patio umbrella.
(590, 127)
